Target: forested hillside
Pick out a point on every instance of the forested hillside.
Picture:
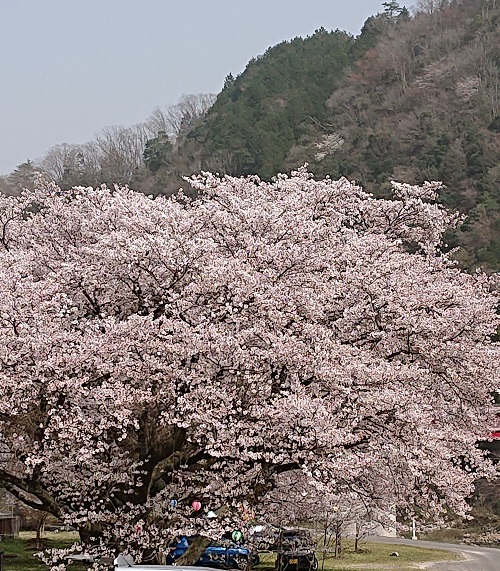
(412, 98)
(277, 102)
(423, 104)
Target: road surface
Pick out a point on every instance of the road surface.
(476, 558)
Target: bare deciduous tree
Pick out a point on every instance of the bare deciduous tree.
(183, 115)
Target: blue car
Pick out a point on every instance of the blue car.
(218, 556)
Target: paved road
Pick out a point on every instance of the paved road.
(477, 558)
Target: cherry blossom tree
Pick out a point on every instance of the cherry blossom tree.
(160, 352)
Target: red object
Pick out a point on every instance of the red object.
(196, 505)
(495, 434)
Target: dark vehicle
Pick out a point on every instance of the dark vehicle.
(295, 551)
(229, 556)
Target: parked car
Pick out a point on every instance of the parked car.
(295, 551)
(229, 556)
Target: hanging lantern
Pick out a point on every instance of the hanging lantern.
(196, 505)
(236, 536)
(173, 504)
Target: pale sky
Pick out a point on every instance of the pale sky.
(71, 67)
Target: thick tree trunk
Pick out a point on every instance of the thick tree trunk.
(194, 552)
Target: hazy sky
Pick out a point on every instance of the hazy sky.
(71, 67)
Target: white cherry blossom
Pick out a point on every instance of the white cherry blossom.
(160, 349)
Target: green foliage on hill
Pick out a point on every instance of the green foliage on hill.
(259, 116)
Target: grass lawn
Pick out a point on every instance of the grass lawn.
(19, 555)
(372, 556)
(19, 552)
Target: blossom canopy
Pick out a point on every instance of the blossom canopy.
(196, 350)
